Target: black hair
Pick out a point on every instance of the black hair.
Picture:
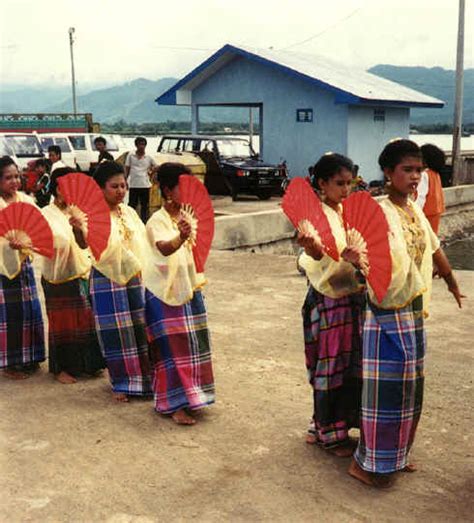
(329, 165)
(105, 171)
(53, 184)
(100, 139)
(40, 163)
(168, 174)
(394, 152)
(139, 139)
(5, 161)
(55, 149)
(433, 157)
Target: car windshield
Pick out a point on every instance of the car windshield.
(233, 148)
(24, 146)
(111, 145)
(4, 149)
(47, 141)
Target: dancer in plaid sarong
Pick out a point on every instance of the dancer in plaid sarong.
(73, 345)
(117, 292)
(21, 322)
(393, 334)
(176, 316)
(332, 318)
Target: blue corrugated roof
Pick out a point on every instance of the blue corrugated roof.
(350, 85)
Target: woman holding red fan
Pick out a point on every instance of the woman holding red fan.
(394, 336)
(73, 344)
(118, 295)
(332, 316)
(21, 322)
(183, 380)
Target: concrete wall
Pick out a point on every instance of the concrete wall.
(271, 230)
(245, 82)
(366, 138)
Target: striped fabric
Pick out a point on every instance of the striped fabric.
(392, 394)
(73, 344)
(181, 354)
(119, 314)
(332, 334)
(21, 321)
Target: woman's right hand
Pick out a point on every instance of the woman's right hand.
(184, 229)
(15, 244)
(75, 223)
(311, 247)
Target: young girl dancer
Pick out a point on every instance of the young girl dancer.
(21, 322)
(394, 335)
(183, 381)
(332, 317)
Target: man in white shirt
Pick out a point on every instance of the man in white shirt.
(137, 166)
(54, 155)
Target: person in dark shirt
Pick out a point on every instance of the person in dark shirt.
(101, 145)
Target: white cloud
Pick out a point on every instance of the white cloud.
(117, 41)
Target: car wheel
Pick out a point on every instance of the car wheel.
(264, 194)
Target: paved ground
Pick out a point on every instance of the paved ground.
(224, 205)
(69, 453)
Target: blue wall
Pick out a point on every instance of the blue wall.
(243, 81)
(367, 138)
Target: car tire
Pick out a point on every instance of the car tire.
(264, 194)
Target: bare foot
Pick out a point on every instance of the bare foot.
(311, 439)
(410, 467)
(182, 418)
(15, 374)
(343, 451)
(121, 397)
(65, 378)
(369, 478)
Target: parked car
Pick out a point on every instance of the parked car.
(22, 147)
(67, 152)
(232, 166)
(84, 149)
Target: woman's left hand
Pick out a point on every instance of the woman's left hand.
(15, 244)
(75, 223)
(352, 255)
(453, 288)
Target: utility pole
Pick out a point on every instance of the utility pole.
(457, 124)
(73, 76)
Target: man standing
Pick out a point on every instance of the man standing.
(137, 166)
(101, 145)
(54, 155)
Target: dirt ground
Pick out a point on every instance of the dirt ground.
(70, 453)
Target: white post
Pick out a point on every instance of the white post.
(73, 76)
(251, 126)
(457, 124)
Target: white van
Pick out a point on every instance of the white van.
(67, 153)
(21, 147)
(85, 151)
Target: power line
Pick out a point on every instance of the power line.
(323, 31)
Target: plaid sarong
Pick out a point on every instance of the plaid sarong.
(119, 312)
(181, 354)
(392, 394)
(73, 344)
(332, 335)
(21, 321)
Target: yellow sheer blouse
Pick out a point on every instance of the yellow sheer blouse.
(11, 259)
(69, 261)
(173, 279)
(328, 277)
(127, 249)
(412, 245)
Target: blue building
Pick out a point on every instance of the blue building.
(306, 104)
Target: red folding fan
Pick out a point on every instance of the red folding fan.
(196, 208)
(305, 212)
(86, 202)
(24, 222)
(367, 230)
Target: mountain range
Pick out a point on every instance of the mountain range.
(134, 102)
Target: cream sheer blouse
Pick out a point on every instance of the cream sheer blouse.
(127, 249)
(328, 277)
(69, 261)
(412, 245)
(172, 279)
(11, 259)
